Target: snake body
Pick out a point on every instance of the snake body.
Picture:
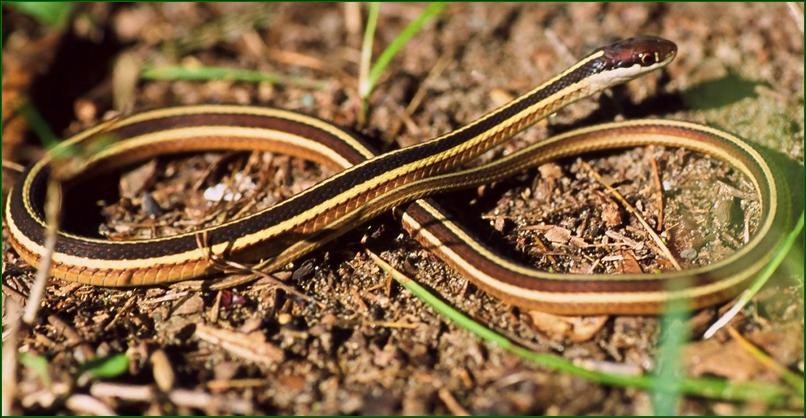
(369, 183)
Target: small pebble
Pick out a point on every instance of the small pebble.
(689, 254)
(284, 318)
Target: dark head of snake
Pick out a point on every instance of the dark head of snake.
(624, 60)
(641, 51)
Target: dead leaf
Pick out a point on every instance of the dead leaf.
(557, 234)
(252, 347)
(192, 305)
(629, 265)
(576, 328)
(728, 360)
(137, 180)
(611, 214)
(162, 370)
(550, 171)
(784, 343)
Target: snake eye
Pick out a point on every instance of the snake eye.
(647, 59)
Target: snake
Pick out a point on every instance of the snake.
(368, 183)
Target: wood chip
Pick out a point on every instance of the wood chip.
(579, 242)
(452, 404)
(251, 347)
(140, 393)
(162, 370)
(576, 328)
(621, 238)
(558, 235)
(550, 171)
(629, 265)
(212, 404)
(728, 360)
(192, 305)
(611, 214)
(88, 405)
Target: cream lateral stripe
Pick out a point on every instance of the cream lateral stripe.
(201, 132)
(576, 297)
(62, 258)
(247, 110)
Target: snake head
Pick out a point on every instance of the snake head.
(625, 60)
(647, 52)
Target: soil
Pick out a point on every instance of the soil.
(362, 344)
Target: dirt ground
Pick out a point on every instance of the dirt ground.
(364, 345)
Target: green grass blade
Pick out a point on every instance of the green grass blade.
(104, 367)
(389, 53)
(39, 126)
(364, 84)
(49, 13)
(780, 255)
(666, 378)
(704, 387)
(223, 73)
(37, 364)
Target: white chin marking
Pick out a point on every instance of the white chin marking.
(620, 75)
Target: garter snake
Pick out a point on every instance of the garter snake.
(368, 184)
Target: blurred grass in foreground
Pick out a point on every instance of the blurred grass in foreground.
(370, 74)
(48, 13)
(222, 73)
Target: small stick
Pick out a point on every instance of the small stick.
(216, 307)
(560, 47)
(63, 328)
(435, 72)
(352, 18)
(10, 356)
(452, 404)
(11, 165)
(86, 404)
(762, 357)
(241, 345)
(205, 401)
(221, 384)
(364, 82)
(128, 305)
(658, 241)
(796, 13)
(308, 61)
(52, 208)
(222, 263)
(390, 324)
(543, 248)
(161, 369)
(659, 186)
(141, 393)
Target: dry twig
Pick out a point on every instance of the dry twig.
(659, 186)
(139, 393)
(630, 208)
(52, 209)
(11, 165)
(452, 404)
(241, 345)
